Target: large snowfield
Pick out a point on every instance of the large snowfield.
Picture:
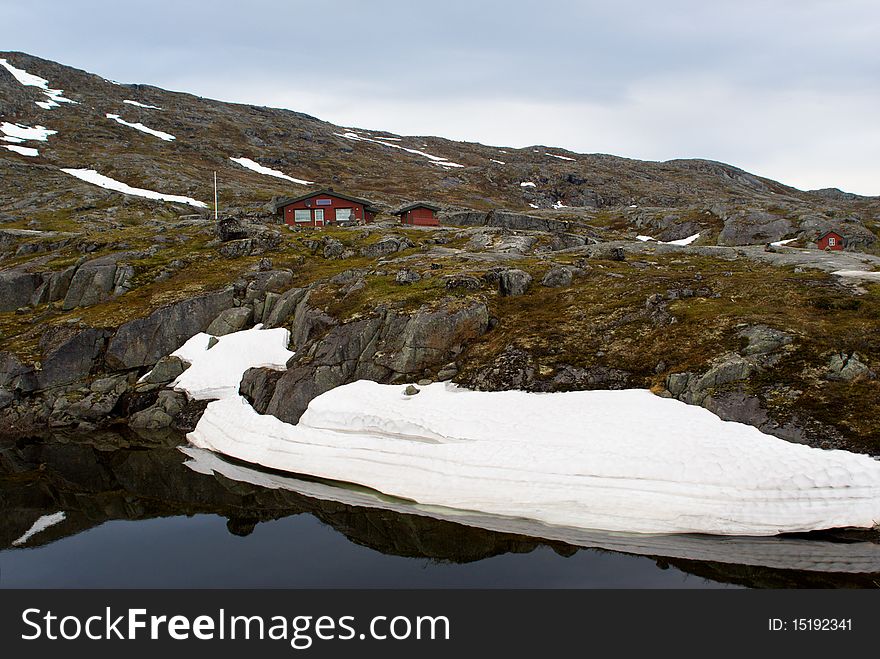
(624, 461)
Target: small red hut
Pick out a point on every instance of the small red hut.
(419, 214)
(325, 207)
(830, 240)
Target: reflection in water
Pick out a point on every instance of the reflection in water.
(175, 495)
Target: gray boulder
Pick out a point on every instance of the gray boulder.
(237, 248)
(144, 341)
(333, 249)
(558, 276)
(463, 282)
(843, 366)
(166, 370)
(231, 320)
(407, 276)
(385, 246)
(514, 282)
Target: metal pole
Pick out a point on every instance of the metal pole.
(216, 216)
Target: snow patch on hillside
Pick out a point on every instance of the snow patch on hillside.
(54, 96)
(437, 160)
(93, 177)
(167, 137)
(22, 132)
(527, 184)
(680, 241)
(140, 105)
(260, 169)
(39, 526)
(23, 150)
(500, 162)
(553, 155)
(781, 243)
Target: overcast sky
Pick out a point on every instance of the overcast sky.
(788, 89)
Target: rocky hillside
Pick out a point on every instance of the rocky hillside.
(543, 287)
(179, 140)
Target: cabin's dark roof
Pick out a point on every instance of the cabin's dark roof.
(418, 204)
(368, 205)
(828, 233)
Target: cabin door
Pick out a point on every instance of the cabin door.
(319, 217)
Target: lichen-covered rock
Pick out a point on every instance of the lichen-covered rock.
(385, 246)
(463, 282)
(762, 339)
(406, 276)
(843, 366)
(514, 282)
(558, 276)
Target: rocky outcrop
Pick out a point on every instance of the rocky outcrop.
(754, 227)
(70, 354)
(385, 347)
(78, 286)
(16, 376)
(144, 341)
(98, 280)
(847, 367)
(17, 288)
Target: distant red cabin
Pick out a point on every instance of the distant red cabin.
(419, 214)
(830, 240)
(325, 207)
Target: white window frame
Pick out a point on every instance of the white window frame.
(832, 241)
(348, 216)
(321, 217)
(302, 215)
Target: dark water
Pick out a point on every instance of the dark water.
(140, 517)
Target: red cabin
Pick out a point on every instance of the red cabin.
(419, 214)
(317, 209)
(830, 240)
